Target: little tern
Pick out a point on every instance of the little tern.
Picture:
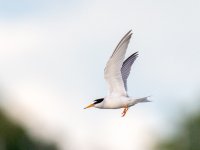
(116, 73)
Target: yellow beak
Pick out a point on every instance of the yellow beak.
(91, 105)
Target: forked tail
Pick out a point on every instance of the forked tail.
(143, 100)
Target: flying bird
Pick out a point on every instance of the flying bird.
(116, 73)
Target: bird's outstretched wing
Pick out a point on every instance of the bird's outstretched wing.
(126, 67)
(112, 72)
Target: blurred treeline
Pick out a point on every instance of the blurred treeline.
(14, 137)
(186, 137)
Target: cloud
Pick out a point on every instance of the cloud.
(54, 65)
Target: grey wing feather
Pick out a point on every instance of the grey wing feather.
(122, 41)
(112, 72)
(126, 67)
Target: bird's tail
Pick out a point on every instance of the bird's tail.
(143, 100)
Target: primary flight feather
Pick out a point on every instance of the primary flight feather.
(116, 73)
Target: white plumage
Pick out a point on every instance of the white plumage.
(116, 73)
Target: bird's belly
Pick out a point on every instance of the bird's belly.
(115, 104)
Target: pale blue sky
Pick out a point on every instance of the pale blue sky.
(22, 9)
(53, 54)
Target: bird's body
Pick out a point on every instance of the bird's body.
(116, 102)
(116, 73)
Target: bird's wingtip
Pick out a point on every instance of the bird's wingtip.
(149, 100)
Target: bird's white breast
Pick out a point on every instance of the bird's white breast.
(115, 102)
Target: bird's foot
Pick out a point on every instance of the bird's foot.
(124, 111)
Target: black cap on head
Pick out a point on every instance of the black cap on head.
(98, 100)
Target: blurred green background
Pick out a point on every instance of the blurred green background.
(14, 137)
(52, 59)
(185, 136)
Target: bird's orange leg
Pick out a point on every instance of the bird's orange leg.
(124, 111)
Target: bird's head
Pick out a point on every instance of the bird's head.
(97, 103)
